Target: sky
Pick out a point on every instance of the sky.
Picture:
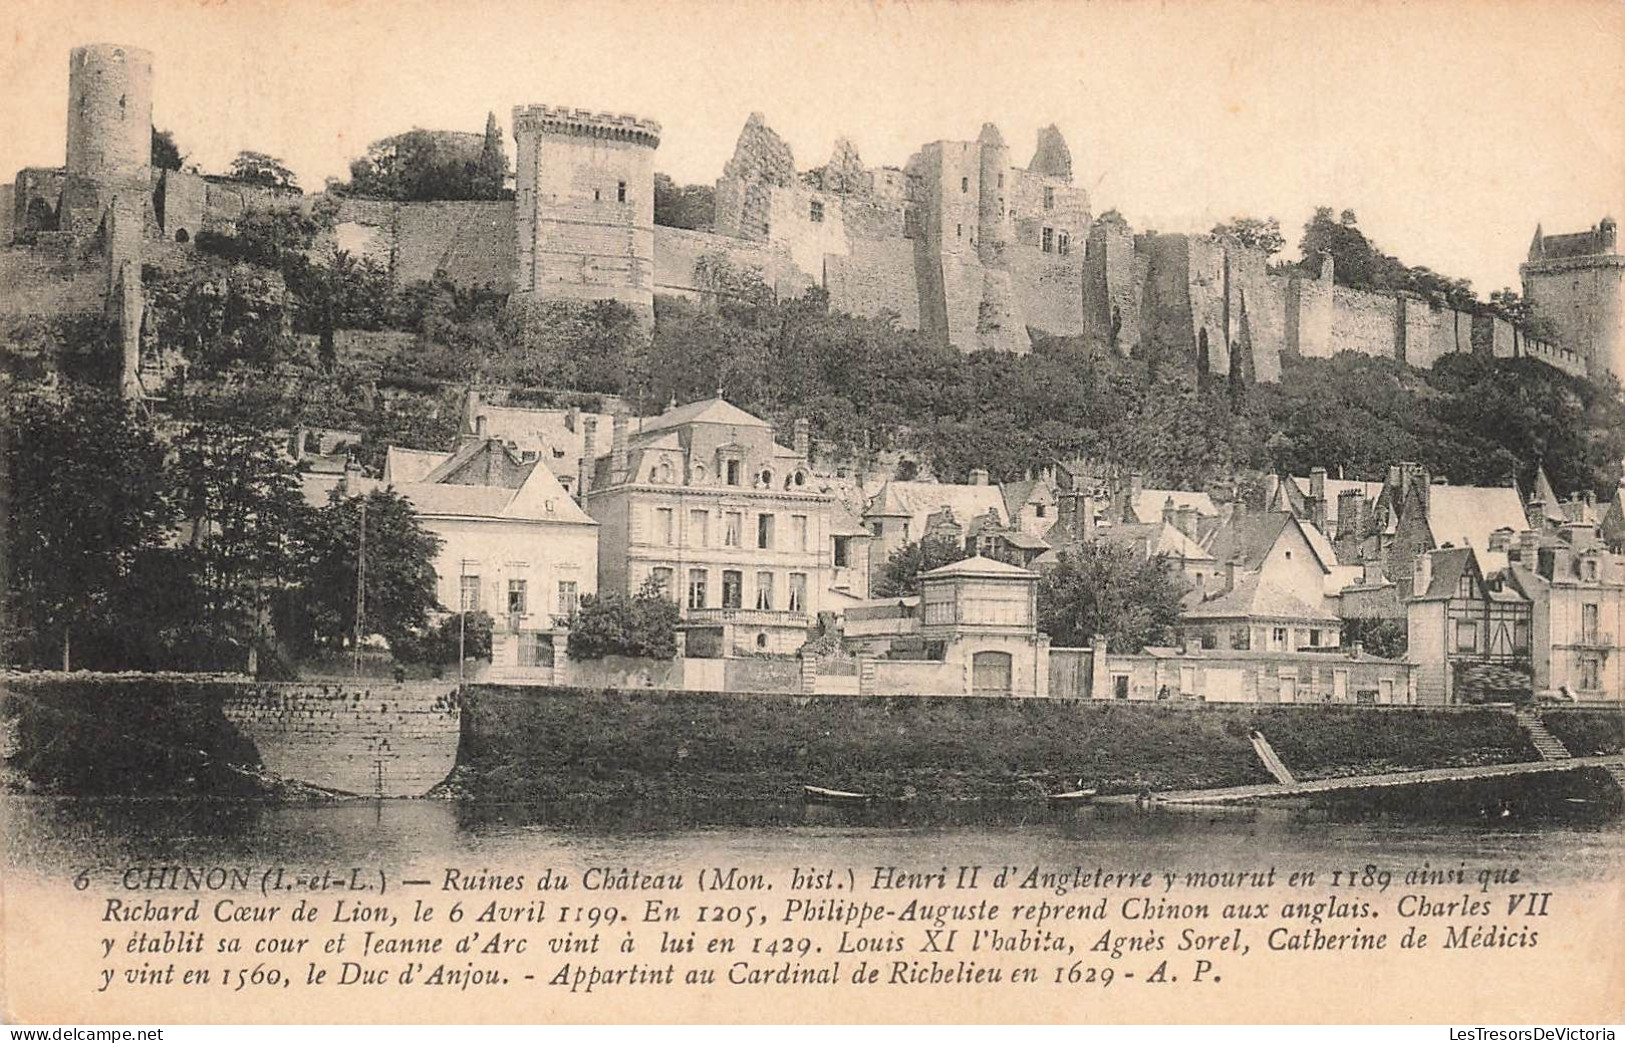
(1451, 127)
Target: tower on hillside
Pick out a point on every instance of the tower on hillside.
(584, 206)
(109, 131)
(1577, 282)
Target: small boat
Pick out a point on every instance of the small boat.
(1071, 798)
(820, 795)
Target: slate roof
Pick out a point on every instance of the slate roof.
(705, 411)
(979, 567)
(410, 465)
(541, 498)
(1336, 487)
(1160, 537)
(1465, 515)
(1449, 565)
(1252, 598)
(917, 501)
(1148, 505)
(1247, 540)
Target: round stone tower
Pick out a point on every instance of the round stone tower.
(993, 211)
(584, 206)
(109, 130)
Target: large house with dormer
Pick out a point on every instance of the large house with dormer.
(701, 501)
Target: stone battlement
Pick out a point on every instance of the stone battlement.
(559, 119)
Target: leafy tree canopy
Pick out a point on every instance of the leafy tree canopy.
(1104, 589)
(166, 155)
(908, 562)
(258, 168)
(611, 624)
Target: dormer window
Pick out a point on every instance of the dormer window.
(731, 472)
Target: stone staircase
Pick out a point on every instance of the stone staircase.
(1271, 760)
(1545, 742)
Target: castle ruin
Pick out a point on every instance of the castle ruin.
(959, 243)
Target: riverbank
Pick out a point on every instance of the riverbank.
(131, 736)
(547, 744)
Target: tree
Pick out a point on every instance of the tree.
(1257, 233)
(908, 562)
(683, 206)
(424, 165)
(166, 155)
(1101, 588)
(87, 500)
(643, 626)
(257, 168)
(399, 579)
(244, 521)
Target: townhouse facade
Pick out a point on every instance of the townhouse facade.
(703, 504)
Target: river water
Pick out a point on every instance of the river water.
(1566, 841)
(1570, 840)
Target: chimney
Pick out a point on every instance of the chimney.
(589, 456)
(1170, 513)
(1422, 577)
(1371, 573)
(1229, 576)
(1185, 520)
(1349, 503)
(617, 450)
(803, 439)
(1534, 512)
(1501, 540)
(1123, 507)
(1396, 480)
(978, 476)
(1356, 650)
(471, 411)
(572, 419)
(1317, 498)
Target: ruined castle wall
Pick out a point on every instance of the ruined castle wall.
(1039, 201)
(472, 241)
(1445, 331)
(1050, 288)
(1208, 285)
(227, 201)
(876, 277)
(1167, 312)
(1412, 331)
(1001, 320)
(1112, 287)
(791, 224)
(36, 196)
(679, 250)
(1364, 322)
(870, 217)
(183, 204)
(1558, 357)
(1493, 336)
(1309, 317)
(51, 277)
(1262, 297)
